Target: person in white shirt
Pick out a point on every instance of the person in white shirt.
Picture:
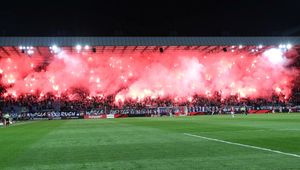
(232, 112)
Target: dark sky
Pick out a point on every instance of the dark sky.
(150, 18)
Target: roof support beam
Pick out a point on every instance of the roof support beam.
(38, 49)
(197, 47)
(16, 51)
(135, 48)
(5, 51)
(114, 48)
(146, 47)
(166, 48)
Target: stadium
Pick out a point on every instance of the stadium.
(150, 102)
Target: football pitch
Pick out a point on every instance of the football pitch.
(270, 141)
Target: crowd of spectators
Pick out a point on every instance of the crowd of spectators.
(50, 102)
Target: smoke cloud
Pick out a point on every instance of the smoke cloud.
(152, 74)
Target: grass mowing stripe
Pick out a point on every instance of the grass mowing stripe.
(244, 145)
(17, 140)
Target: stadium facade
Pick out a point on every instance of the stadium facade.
(150, 68)
(147, 41)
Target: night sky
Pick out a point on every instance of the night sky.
(149, 18)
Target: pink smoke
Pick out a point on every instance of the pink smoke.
(174, 73)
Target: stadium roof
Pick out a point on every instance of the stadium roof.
(145, 41)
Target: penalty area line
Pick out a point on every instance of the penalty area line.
(243, 145)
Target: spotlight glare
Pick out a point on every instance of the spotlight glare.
(260, 46)
(55, 49)
(289, 46)
(86, 47)
(282, 46)
(274, 55)
(30, 52)
(240, 46)
(78, 47)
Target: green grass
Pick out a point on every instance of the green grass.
(153, 143)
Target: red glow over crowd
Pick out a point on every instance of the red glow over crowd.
(178, 75)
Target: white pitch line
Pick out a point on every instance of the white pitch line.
(244, 145)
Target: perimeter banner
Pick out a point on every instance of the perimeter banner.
(95, 116)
